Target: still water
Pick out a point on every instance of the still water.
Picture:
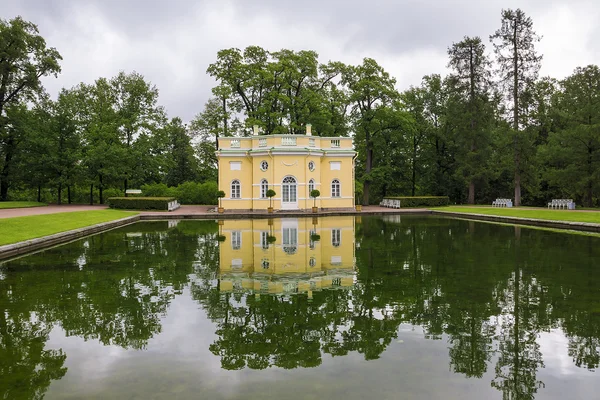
(382, 308)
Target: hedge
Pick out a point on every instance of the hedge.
(140, 203)
(421, 201)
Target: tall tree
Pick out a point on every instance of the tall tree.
(519, 63)
(470, 82)
(24, 59)
(371, 92)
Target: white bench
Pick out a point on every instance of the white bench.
(133, 191)
(173, 205)
(502, 203)
(390, 203)
(567, 204)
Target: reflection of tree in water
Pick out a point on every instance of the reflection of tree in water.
(113, 288)
(26, 368)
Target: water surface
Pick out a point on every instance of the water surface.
(386, 308)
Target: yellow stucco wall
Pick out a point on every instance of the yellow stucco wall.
(286, 156)
(293, 263)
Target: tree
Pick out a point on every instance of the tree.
(183, 166)
(472, 112)
(370, 92)
(137, 116)
(24, 59)
(514, 45)
(573, 151)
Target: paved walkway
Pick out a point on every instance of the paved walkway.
(52, 209)
(184, 211)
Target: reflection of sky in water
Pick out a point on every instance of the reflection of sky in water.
(178, 362)
(412, 272)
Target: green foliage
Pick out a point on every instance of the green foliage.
(422, 201)
(315, 193)
(187, 193)
(271, 193)
(140, 203)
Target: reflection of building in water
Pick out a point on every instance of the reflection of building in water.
(294, 262)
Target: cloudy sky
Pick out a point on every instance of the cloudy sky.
(172, 42)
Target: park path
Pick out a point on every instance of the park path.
(51, 209)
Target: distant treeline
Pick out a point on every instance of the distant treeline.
(491, 128)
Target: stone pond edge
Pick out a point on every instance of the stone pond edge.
(543, 223)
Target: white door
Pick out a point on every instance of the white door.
(289, 193)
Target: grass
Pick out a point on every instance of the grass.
(20, 204)
(554, 215)
(18, 229)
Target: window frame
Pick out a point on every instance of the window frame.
(264, 187)
(336, 188)
(234, 186)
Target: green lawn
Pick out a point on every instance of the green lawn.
(20, 204)
(18, 229)
(556, 215)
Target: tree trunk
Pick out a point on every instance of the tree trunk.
(414, 166)
(59, 194)
(125, 186)
(100, 190)
(69, 193)
(9, 150)
(368, 166)
(471, 199)
(516, 118)
(92, 194)
(39, 196)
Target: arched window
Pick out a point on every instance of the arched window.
(335, 188)
(264, 186)
(236, 189)
(311, 186)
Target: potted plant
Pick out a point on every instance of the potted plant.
(270, 194)
(220, 195)
(314, 194)
(358, 195)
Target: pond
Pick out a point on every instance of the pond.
(316, 308)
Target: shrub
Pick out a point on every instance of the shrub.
(157, 190)
(187, 192)
(140, 203)
(422, 201)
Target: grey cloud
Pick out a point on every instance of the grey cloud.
(172, 42)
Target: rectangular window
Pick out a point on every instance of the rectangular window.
(336, 237)
(335, 142)
(236, 240)
(235, 165)
(335, 165)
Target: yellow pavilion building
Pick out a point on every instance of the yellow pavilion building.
(291, 165)
(294, 262)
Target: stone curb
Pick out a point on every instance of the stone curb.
(545, 223)
(27, 246)
(154, 217)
